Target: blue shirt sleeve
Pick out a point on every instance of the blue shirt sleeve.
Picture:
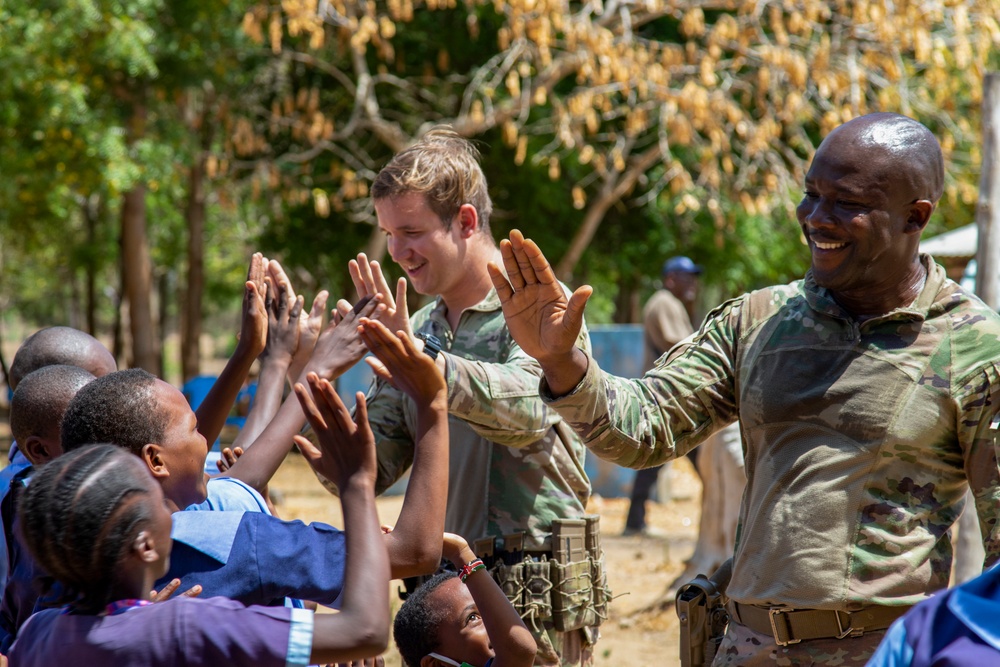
(894, 651)
(230, 495)
(257, 559)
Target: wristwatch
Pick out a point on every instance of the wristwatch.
(432, 344)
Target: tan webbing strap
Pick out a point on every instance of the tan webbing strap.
(790, 626)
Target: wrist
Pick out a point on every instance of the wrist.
(463, 557)
(357, 483)
(469, 568)
(275, 359)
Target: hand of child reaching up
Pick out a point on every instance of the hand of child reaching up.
(168, 590)
(310, 324)
(346, 448)
(401, 364)
(339, 345)
(457, 550)
(369, 281)
(283, 309)
(253, 327)
(377, 661)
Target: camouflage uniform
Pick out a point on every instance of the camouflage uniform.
(858, 438)
(514, 466)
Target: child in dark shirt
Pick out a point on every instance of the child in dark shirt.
(462, 620)
(103, 503)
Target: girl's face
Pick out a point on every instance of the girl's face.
(462, 635)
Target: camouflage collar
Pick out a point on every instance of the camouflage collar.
(490, 303)
(820, 299)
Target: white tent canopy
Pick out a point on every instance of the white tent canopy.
(961, 242)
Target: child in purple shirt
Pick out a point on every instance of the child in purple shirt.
(98, 522)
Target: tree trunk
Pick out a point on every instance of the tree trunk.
(137, 279)
(612, 192)
(988, 208)
(91, 213)
(195, 215)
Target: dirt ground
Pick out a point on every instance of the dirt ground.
(639, 567)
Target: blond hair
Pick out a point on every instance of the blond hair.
(444, 167)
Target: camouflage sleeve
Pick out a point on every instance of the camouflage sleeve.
(979, 434)
(393, 432)
(500, 401)
(670, 410)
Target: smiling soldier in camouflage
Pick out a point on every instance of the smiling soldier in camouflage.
(865, 394)
(515, 467)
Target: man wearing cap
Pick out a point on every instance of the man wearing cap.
(666, 321)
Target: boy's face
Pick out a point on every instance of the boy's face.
(183, 448)
(425, 247)
(462, 635)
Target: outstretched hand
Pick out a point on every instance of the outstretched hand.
(310, 323)
(457, 550)
(346, 448)
(253, 328)
(170, 588)
(539, 316)
(283, 309)
(398, 361)
(339, 345)
(369, 281)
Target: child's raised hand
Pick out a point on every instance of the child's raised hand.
(229, 457)
(457, 550)
(310, 324)
(340, 346)
(369, 281)
(170, 588)
(253, 327)
(346, 447)
(282, 319)
(401, 364)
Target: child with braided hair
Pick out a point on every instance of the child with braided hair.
(99, 523)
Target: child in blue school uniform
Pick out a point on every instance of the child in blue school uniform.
(462, 619)
(249, 556)
(98, 522)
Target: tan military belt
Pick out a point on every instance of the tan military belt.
(790, 626)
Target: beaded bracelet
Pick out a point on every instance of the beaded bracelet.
(470, 567)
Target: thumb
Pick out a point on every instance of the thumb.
(575, 307)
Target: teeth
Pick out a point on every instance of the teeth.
(829, 246)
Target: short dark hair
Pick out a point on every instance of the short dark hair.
(415, 629)
(56, 345)
(119, 408)
(42, 396)
(78, 519)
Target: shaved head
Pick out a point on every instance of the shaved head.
(41, 398)
(907, 153)
(60, 345)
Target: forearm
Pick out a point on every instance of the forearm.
(645, 422)
(265, 454)
(361, 629)
(415, 544)
(214, 410)
(499, 401)
(267, 399)
(511, 640)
